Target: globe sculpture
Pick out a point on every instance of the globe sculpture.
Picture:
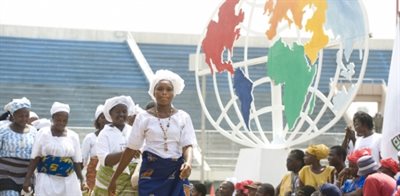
(272, 95)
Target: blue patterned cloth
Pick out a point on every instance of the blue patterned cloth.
(15, 152)
(58, 166)
(351, 185)
(160, 176)
(16, 145)
(9, 193)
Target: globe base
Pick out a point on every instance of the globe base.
(260, 164)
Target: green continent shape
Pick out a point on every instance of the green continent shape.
(289, 67)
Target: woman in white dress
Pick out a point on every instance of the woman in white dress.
(168, 137)
(57, 157)
(110, 144)
(89, 155)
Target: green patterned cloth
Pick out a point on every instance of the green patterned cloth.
(124, 187)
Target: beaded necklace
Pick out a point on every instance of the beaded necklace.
(164, 130)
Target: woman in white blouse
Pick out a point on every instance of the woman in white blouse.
(89, 155)
(168, 137)
(110, 144)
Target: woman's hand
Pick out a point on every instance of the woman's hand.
(84, 187)
(137, 153)
(112, 187)
(27, 185)
(186, 169)
(350, 134)
(343, 176)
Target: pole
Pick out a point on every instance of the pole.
(203, 128)
(397, 12)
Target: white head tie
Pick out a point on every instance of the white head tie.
(111, 102)
(99, 110)
(177, 82)
(40, 123)
(136, 109)
(59, 107)
(33, 115)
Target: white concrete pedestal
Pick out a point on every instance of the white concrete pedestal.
(263, 165)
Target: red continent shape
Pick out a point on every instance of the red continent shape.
(221, 35)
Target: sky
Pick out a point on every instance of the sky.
(162, 16)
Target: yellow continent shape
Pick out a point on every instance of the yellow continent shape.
(315, 24)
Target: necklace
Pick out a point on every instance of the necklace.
(164, 130)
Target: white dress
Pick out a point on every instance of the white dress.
(146, 128)
(67, 146)
(88, 147)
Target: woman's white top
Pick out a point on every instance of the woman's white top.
(373, 142)
(66, 146)
(88, 149)
(146, 130)
(111, 140)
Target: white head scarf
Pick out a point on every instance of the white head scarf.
(17, 104)
(177, 82)
(33, 115)
(40, 123)
(112, 102)
(59, 107)
(99, 110)
(136, 109)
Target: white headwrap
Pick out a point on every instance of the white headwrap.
(40, 123)
(112, 102)
(136, 109)
(99, 110)
(59, 107)
(33, 115)
(177, 82)
(17, 104)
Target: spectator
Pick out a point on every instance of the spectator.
(241, 188)
(315, 174)
(336, 158)
(290, 182)
(226, 188)
(265, 189)
(252, 188)
(352, 183)
(367, 138)
(329, 190)
(376, 183)
(306, 190)
(199, 189)
(389, 167)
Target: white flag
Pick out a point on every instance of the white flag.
(391, 118)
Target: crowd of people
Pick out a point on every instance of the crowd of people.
(353, 168)
(149, 152)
